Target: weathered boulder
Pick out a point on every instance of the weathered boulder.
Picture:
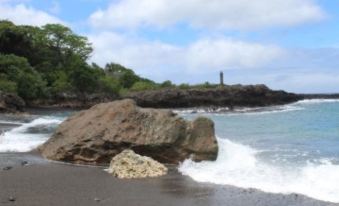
(96, 135)
(128, 164)
(11, 102)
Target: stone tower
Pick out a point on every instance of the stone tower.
(221, 78)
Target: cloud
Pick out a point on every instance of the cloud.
(215, 14)
(25, 15)
(303, 82)
(229, 54)
(158, 59)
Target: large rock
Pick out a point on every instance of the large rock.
(227, 96)
(96, 135)
(128, 164)
(11, 103)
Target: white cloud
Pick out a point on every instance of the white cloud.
(229, 54)
(22, 14)
(152, 58)
(219, 14)
(303, 82)
(141, 55)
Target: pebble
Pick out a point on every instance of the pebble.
(24, 163)
(97, 200)
(7, 168)
(11, 199)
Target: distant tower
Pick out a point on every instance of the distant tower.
(221, 78)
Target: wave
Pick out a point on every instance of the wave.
(316, 101)
(238, 165)
(240, 111)
(299, 105)
(28, 136)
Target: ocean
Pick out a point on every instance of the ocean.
(282, 149)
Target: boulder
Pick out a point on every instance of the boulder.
(11, 102)
(128, 164)
(96, 135)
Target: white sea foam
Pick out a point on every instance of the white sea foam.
(20, 139)
(238, 165)
(316, 101)
(241, 111)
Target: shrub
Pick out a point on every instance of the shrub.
(8, 86)
(142, 86)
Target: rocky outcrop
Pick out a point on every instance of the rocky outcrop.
(320, 96)
(227, 96)
(128, 164)
(96, 135)
(11, 103)
(73, 100)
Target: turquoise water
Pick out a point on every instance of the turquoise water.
(288, 149)
(311, 132)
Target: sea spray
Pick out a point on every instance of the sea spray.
(239, 166)
(28, 136)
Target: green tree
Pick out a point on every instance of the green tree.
(127, 77)
(166, 84)
(142, 86)
(66, 43)
(110, 85)
(17, 69)
(62, 83)
(85, 79)
(7, 86)
(184, 86)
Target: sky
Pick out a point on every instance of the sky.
(291, 44)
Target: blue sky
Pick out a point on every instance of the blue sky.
(291, 44)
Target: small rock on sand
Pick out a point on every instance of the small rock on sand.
(11, 199)
(128, 164)
(7, 168)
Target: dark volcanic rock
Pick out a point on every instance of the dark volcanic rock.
(11, 103)
(320, 96)
(73, 100)
(227, 96)
(96, 135)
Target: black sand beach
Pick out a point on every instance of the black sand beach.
(46, 183)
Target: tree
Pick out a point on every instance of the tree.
(85, 79)
(66, 43)
(110, 85)
(29, 84)
(166, 84)
(62, 83)
(142, 86)
(7, 86)
(126, 76)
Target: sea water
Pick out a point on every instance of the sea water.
(29, 131)
(285, 149)
(281, 149)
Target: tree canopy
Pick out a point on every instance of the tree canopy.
(43, 62)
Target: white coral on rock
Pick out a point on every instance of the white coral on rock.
(128, 165)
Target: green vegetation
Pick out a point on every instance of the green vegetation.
(44, 62)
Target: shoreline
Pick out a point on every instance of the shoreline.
(42, 182)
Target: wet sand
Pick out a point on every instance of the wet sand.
(45, 183)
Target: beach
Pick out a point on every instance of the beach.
(28, 179)
(48, 183)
